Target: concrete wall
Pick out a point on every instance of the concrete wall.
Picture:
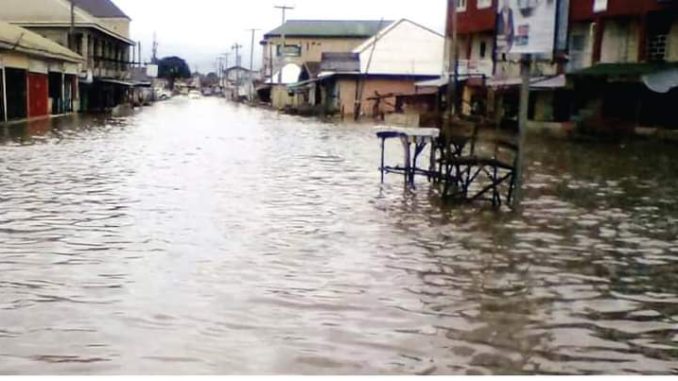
(280, 97)
(405, 49)
(347, 94)
(14, 60)
(476, 45)
(620, 42)
(58, 35)
(117, 25)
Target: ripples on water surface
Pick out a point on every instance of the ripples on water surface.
(198, 237)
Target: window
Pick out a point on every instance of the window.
(658, 31)
(461, 5)
(577, 51)
(482, 4)
(656, 47)
(599, 6)
(289, 51)
(483, 49)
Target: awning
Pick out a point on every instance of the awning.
(556, 82)
(661, 82)
(303, 83)
(438, 82)
(624, 70)
(116, 82)
(536, 83)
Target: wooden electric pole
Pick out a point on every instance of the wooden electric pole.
(251, 79)
(71, 31)
(525, 68)
(453, 69)
(284, 9)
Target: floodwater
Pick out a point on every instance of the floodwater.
(204, 238)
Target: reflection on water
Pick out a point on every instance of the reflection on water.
(199, 237)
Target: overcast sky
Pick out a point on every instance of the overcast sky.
(199, 30)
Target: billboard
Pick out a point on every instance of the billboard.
(526, 26)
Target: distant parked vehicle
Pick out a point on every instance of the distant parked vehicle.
(162, 94)
(194, 94)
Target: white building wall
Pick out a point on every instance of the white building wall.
(404, 49)
(620, 42)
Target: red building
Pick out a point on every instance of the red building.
(653, 18)
(615, 47)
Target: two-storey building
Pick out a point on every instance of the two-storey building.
(37, 75)
(624, 63)
(618, 52)
(96, 29)
(296, 43)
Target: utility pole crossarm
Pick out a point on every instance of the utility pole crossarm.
(284, 9)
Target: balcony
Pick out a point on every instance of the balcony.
(476, 68)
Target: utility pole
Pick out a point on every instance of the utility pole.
(453, 71)
(251, 87)
(525, 68)
(237, 48)
(4, 94)
(284, 9)
(71, 32)
(224, 73)
(253, 31)
(154, 59)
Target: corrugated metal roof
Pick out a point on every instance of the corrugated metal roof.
(23, 40)
(329, 28)
(101, 8)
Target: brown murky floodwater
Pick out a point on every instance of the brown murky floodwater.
(198, 237)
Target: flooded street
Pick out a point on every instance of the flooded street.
(199, 237)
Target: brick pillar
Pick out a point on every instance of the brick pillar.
(598, 40)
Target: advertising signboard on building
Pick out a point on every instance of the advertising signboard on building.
(526, 26)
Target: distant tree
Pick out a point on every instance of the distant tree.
(211, 79)
(173, 68)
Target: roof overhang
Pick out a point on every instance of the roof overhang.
(629, 71)
(116, 82)
(41, 53)
(95, 26)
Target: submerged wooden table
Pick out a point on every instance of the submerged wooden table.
(419, 138)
